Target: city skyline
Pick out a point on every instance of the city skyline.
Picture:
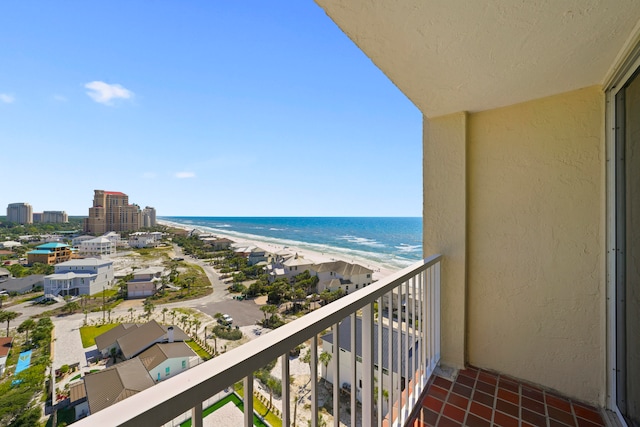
(201, 109)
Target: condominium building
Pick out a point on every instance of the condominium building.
(21, 213)
(50, 253)
(55, 216)
(149, 217)
(111, 211)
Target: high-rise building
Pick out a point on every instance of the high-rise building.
(55, 216)
(37, 217)
(149, 217)
(21, 213)
(111, 211)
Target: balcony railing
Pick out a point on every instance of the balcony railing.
(406, 304)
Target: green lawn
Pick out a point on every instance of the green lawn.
(259, 407)
(89, 333)
(66, 417)
(204, 354)
(239, 404)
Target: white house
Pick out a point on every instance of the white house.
(341, 275)
(99, 246)
(144, 282)
(167, 359)
(144, 240)
(79, 277)
(75, 242)
(116, 239)
(296, 265)
(345, 358)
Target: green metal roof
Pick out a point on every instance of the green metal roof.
(39, 251)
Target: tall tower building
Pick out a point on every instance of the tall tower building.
(55, 216)
(149, 217)
(111, 211)
(22, 213)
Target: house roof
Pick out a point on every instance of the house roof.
(100, 239)
(111, 336)
(114, 193)
(84, 262)
(22, 283)
(111, 385)
(297, 261)
(69, 276)
(39, 252)
(141, 338)
(158, 353)
(345, 342)
(4, 272)
(5, 346)
(342, 268)
(77, 391)
(10, 244)
(52, 245)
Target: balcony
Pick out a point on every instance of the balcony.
(407, 330)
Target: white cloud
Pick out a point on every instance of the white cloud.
(7, 99)
(105, 93)
(183, 175)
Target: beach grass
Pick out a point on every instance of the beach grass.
(259, 407)
(88, 334)
(232, 398)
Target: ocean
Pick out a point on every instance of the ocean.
(393, 243)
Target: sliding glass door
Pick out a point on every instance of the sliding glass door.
(627, 323)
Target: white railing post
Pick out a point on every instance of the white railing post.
(380, 362)
(335, 364)
(196, 415)
(367, 365)
(286, 391)
(314, 381)
(392, 394)
(248, 400)
(354, 371)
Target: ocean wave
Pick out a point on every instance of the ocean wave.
(222, 226)
(403, 247)
(362, 241)
(276, 229)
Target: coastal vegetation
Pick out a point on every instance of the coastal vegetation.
(20, 393)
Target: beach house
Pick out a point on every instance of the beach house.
(97, 247)
(530, 189)
(79, 277)
(145, 282)
(50, 253)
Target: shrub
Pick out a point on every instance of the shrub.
(227, 333)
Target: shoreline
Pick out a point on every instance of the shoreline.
(379, 271)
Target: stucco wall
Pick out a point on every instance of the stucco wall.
(535, 242)
(444, 218)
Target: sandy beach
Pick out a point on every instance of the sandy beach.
(317, 257)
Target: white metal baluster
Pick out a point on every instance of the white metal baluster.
(380, 361)
(196, 415)
(335, 361)
(248, 400)
(286, 391)
(391, 358)
(412, 343)
(405, 327)
(367, 365)
(354, 377)
(436, 309)
(314, 381)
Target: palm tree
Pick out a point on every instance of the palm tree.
(26, 326)
(164, 312)
(325, 358)
(270, 309)
(7, 316)
(271, 384)
(71, 307)
(131, 310)
(148, 308)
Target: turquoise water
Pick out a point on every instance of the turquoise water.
(391, 242)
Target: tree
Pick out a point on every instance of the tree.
(271, 384)
(131, 310)
(148, 308)
(7, 316)
(164, 312)
(268, 309)
(26, 326)
(325, 358)
(71, 307)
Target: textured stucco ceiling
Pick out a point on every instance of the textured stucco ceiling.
(472, 55)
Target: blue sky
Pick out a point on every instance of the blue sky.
(222, 108)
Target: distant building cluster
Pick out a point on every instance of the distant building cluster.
(22, 213)
(111, 211)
